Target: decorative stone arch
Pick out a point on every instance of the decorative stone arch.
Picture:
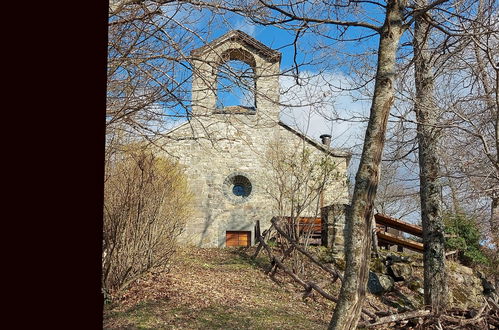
(236, 45)
(244, 56)
(238, 54)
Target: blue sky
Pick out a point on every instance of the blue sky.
(304, 118)
(336, 70)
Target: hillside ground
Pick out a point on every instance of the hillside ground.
(227, 289)
(216, 289)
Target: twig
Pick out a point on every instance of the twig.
(397, 317)
(333, 272)
(460, 321)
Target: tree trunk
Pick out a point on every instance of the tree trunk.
(494, 220)
(435, 286)
(491, 98)
(358, 225)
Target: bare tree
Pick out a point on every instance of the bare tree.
(302, 180)
(427, 115)
(464, 62)
(471, 150)
(481, 121)
(146, 69)
(150, 66)
(437, 52)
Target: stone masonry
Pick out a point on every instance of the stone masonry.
(225, 151)
(333, 218)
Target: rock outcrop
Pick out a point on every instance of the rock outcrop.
(398, 278)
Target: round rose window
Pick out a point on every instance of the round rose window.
(237, 187)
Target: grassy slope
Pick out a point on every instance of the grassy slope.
(216, 289)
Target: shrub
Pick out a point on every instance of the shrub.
(464, 236)
(146, 204)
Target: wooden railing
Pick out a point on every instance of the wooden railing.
(312, 226)
(384, 221)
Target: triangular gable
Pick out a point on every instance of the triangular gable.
(243, 38)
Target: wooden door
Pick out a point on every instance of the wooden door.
(237, 238)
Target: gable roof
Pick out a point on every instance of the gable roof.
(327, 149)
(244, 39)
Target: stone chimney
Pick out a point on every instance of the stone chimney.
(326, 139)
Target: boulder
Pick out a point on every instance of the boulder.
(488, 287)
(465, 289)
(415, 284)
(400, 271)
(378, 265)
(379, 283)
(394, 258)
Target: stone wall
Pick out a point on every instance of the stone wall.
(237, 149)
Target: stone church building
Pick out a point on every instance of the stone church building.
(225, 150)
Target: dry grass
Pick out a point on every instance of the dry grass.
(215, 289)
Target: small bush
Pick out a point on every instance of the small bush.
(465, 237)
(146, 204)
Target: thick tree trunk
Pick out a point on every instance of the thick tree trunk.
(435, 286)
(358, 226)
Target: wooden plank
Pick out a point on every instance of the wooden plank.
(244, 239)
(407, 243)
(398, 224)
(308, 224)
(231, 239)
